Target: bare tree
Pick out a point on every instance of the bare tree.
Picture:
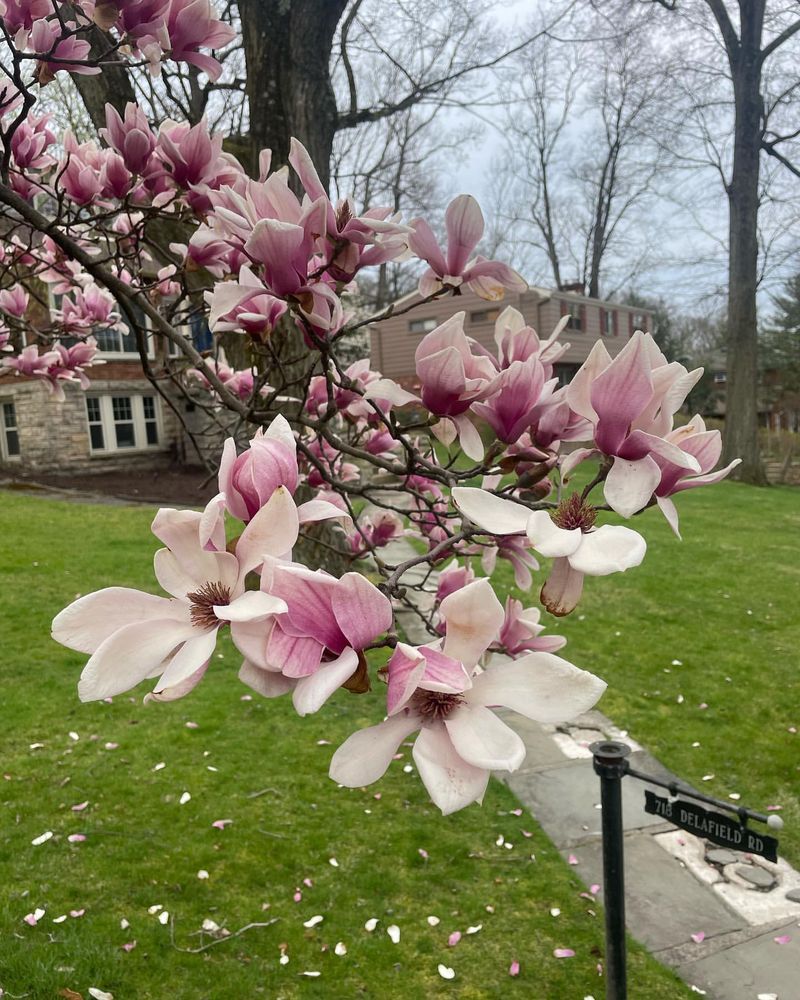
(579, 143)
(754, 39)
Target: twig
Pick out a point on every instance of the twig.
(255, 795)
(222, 940)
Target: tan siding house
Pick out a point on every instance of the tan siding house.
(394, 341)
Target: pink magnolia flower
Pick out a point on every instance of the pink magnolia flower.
(14, 301)
(511, 408)
(375, 530)
(131, 137)
(30, 142)
(80, 171)
(133, 635)
(631, 402)
(706, 447)
(247, 481)
(84, 309)
(453, 578)
(452, 379)
(190, 153)
(192, 25)
(464, 225)
(45, 39)
(568, 534)
(18, 14)
(316, 645)
(520, 631)
(67, 364)
(437, 692)
(29, 361)
(353, 241)
(517, 550)
(244, 305)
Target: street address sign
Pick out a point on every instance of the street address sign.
(713, 826)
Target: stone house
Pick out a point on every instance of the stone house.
(394, 341)
(121, 421)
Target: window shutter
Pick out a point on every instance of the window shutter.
(614, 323)
(583, 318)
(630, 325)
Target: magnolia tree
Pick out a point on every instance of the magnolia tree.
(151, 229)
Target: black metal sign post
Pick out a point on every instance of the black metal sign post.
(611, 764)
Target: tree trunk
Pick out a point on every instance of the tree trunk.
(113, 86)
(741, 408)
(287, 46)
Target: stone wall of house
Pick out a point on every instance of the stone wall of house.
(54, 436)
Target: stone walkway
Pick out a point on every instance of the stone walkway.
(677, 885)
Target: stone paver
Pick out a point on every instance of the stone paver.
(751, 968)
(675, 904)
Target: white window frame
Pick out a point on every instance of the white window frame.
(609, 319)
(4, 429)
(108, 423)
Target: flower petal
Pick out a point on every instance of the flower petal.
(550, 540)
(451, 782)
(272, 532)
(253, 605)
(620, 393)
(90, 620)
(630, 485)
(268, 683)
(129, 655)
(483, 740)
(322, 510)
(464, 224)
(188, 664)
(540, 686)
(670, 512)
(610, 549)
(562, 589)
(473, 616)
(361, 610)
(365, 755)
(493, 514)
(311, 692)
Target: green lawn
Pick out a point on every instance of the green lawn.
(725, 602)
(143, 848)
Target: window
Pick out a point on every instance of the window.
(421, 325)
(639, 321)
(116, 342)
(720, 378)
(200, 333)
(575, 311)
(484, 316)
(120, 423)
(609, 318)
(564, 373)
(9, 444)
